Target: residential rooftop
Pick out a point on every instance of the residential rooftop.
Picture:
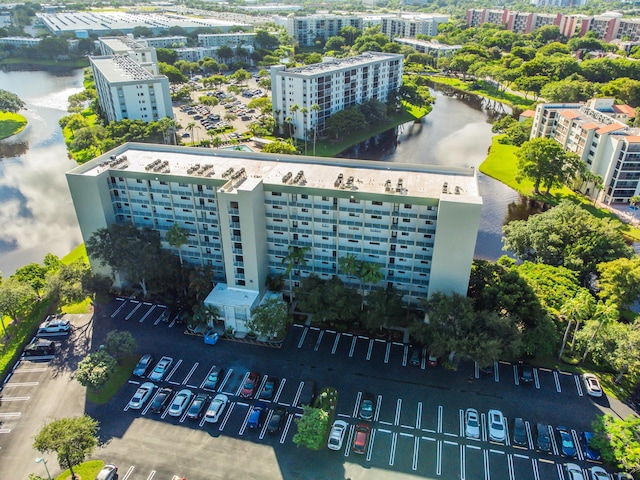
(120, 68)
(422, 181)
(330, 64)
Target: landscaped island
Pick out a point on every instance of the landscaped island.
(11, 122)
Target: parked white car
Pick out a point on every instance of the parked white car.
(143, 393)
(598, 473)
(215, 408)
(592, 384)
(573, 472)
(180, 402)
(497, 431)
(336, 436)
(472, 423)
(161, 369)
(55, 325)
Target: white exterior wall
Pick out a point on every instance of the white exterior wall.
(229, 39)
(423, 241)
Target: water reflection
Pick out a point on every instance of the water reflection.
(37, 216)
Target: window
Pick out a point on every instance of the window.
(239, 258)
(233, 205)
(377, 203)
(406, 220)
(237, 245)
(406, 205)
(235, 218)
(276, 194)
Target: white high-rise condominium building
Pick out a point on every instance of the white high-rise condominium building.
(410, 25)
(127, 90)
(242, 211)
(333, 85)
(311, 28)
(597, 132)
(142, 54)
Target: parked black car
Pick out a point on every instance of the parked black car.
(269, 388)
(161, 400)
(276, 420)
(367, 406)
(308, 393)
(197, 408)
(525, 372)
(39, 347)
(213, 379)
(543, 442)
(519, 432)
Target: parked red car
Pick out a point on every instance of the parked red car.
(250, 385)
(361, 438)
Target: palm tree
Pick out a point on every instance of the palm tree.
(315, 108)
(371, 274)
(288, 121)
(168, 128)
(304, 111)
(605, 313)
(577, 309)
(350, 265)
(293, 109)
(190, 127)
(177, 237)
(294, 258)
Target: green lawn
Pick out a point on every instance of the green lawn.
(117, 380)
(502, 164)
(11, 123)
(87, 470)
(485, 90)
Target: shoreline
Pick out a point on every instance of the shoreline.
(11, 124)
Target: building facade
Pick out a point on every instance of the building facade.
(21, 42)
(127, 90)
(434, 49)
(164, 42)
(306, 30)
(597, 132)
(228, 39)
(333, 85)
(243, 210)
(408, 26)
(194, 54)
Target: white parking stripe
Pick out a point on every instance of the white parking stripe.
(398, 410)
(129, 472)
(387, 352)
(576, 441)
(244, 422)
(376, 415)
(578, 385)
(476, 369)
(226, 417)
(285, 430)
(193, 369)
(516, 377)
(133, 311)
(244, 379)
(536, 380)
(151, 474)
(463, 466)
(353, 346)
(173, 370)
(302, 337)
(528, 429)
(439, 457)
(416, 449)
(265, 425)
(419, 416)
(153, 307)
(14, 399)
(439, 419)
(115, 313)
(370, 349)
(485, 454)
(319, 340)
(557, 380)
(224, 381)
(405, 355)
(10, 414)
(512, 473)
(461, 418)
(371, 440)
(534, 467)
(357, 405)
(30, 370)
(5, 430)
(552, 437)
(297, 397)
(423, 361)
(262, 384)
(496, 372)
(392, 451)
(23, 384)
(335, 344)
(280, 387)
(347, 448)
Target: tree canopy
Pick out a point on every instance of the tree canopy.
(10, 102)
(545, 163)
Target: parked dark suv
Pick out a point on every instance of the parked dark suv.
(40, 346)
(525, 372)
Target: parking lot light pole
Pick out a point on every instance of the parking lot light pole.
(43, 461)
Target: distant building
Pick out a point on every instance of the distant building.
(139, 52)
(194, 54)
(243, 211)
(228, 39)
(21, 42)
(434, 49)
(127, 90)
(597, 133)
(410, 25)
(164, 42)
(306, 30)
(333, 85)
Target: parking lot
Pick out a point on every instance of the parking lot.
(417, 427)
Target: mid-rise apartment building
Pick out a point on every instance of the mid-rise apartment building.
(242, 211)
(434, 49)
(173, 41)
(306, 30)
(143, 55)
(597, 133)
(410, 25)
(194, 54)
(228, 39)
(127, 90)
(21, 42)
(333, 85)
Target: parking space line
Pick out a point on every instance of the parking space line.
(347, 448)
(262, 384)
(416, 449)
(335, 344)
(303, 336)
(298, 325)
(353, 346)
(319, 340)
(193, 369)
(243, 427)
(376, 415)
(398, 410)
(439, 457)
(357, 404)
(134, 310)
(153, 307)
(280, 387)
(398, 344)
(384, 430)
(560, 473)
(370, 348)
(423, 360)
(226, 417)
(392, 451)
(405, 355)
(151, 474)
(483, 424)
(294, 403)
(463, 466)
(115, 313)
(496, 372)
(314, 328)
(381, 421)
(244, 379)
(557, 380)
(5, 430)
(536, 379)
(386, 354)
(527, 427)
(285, 430)
(485, 454)
(162, 316)
(578, 385)
(370, 449)
(10, 414)
(476, 369)
(461, 420)
(15, 399)
(534, 467)
(554, 446)
(512, 473)
(440, 419)
(129, 472)
(21, 384)
(419, 416)
(173, 371)
(31, 370)
(266, 424)
(186, 410)
(576, 442)
(507, 437)
(516, 377)
(153, 397)
(224, 381)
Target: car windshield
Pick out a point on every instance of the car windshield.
(497, 426)
(567, 442)
(213, 377)
(249, 384)
(158, 369)
(367, 406)
(472, 422)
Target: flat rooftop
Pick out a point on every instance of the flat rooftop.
(105, 21)
(340, 63)
(423, 181)
(122, 44)
(120, 68)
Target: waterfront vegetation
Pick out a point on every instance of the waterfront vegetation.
(11, 123)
